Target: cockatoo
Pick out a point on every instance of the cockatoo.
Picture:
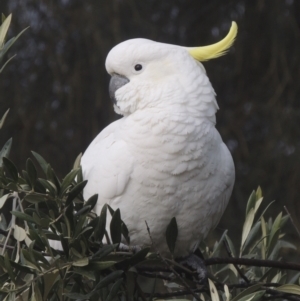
(164, 158)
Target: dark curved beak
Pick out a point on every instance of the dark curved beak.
(117, 81)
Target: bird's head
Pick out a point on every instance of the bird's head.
(148, 74)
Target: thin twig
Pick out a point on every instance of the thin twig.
(60, 216)
(294, 224)
(235, 265)
(156, 275)
(7, 246)
(172, 269)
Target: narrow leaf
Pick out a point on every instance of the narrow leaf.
(171, 234)
(251, 202)
(100, 228)
(3, 29)
(42, 162)
(247, 226)
(3, 199)
(92, 201)
(77, 161)
(81, 262)
(75, 191)
(31, 170)
(2, 120)
(67, 181)
(114, 290)
(11, 168)
(5, 150)
(19, 233)
(213, 291)
(23, 216)
(108, 279)
(247, 291)
(116, 227)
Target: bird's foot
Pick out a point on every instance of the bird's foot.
(133, 249)
(197, 264)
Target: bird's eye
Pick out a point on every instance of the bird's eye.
(138, 67)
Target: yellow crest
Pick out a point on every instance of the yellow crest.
(206, 53)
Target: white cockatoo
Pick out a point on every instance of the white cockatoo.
(164, 158)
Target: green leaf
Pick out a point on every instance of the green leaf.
(273, 243)
(19, 233)
(252, 234)
(78, 296)
(2, 120)
(247, 226)
(85, 273)
(100, 228)
(251, 202)
(4, 65)
(39, 257)
(276, 225)
(171, 234)
(258, 193)
(75, 191)
(42, 162)
(230, 245)
(284, 220)
(8, 268)
(102, 265)
(125, 232)
(3, 30)
(116, 227)
(77, 161)
(247, 291)
(218, 245)
(83, 210)
(135, 259)
(52, 177)
(11, 168)
(108, 279)
(67, 181)
(30, 260)
(31, 170)
(104, 251)
(48, 186)
(49, 280)
(35, 198)
(92, 201)
(86, 229)
(114, 290)
(5, 150)
(3, 199)
(253, 297)
(23, 216)
(81, 262)
(213, 291)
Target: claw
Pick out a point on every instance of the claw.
(197, 264)
(133, 249)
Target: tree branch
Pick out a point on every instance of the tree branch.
(254, 262)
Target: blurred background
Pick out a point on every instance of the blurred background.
(57, 86)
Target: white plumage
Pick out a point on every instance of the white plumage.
(164, 158)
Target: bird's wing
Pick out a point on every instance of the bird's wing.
(107, 164)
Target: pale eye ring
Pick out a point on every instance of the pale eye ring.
(138, 67)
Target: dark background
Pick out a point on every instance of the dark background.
(56, 87)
